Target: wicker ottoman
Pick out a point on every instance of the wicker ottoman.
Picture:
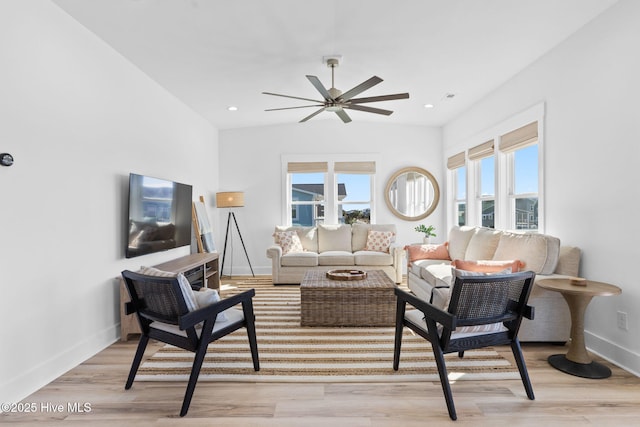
(326, 302)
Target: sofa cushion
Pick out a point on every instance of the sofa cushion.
(372, 258)
(300, 259)
(308, 236)
(417, 252)
(289, 241)
(334, 238)
(482, 245)
(437, 275)
(379, 241)
(459, 240)
(360, 231)
(336, 258)
(538, 252)
(489, 266)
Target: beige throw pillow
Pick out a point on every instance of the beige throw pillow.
(289, 241)
(379, 241)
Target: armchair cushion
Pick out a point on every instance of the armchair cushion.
(207, 296)
(185, 286)
(233, 315)
(417, 318)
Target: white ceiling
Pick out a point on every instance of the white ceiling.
(212, 54)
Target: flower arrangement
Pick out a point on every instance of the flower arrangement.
(428, 231)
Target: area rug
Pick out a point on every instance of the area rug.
(291, 353)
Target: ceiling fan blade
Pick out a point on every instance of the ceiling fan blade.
(293, 97)
(292, 108)
(369, 109)
(343, 115)
(379, 98)
(320, 87)
(312, 115)
(360, 88)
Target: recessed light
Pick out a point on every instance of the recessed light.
(232, 108)
(428, 105)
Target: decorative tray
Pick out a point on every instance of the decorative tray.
(346, 274)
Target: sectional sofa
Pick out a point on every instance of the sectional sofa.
(360, 246)
(429, 271)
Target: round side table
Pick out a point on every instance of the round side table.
(577, 361)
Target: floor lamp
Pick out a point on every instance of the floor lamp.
(231, 199)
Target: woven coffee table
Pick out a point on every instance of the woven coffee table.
(326, 302)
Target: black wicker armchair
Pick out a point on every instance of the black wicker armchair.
(162, 312)
(483, 311)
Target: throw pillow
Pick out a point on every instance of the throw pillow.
(379, 241)
(185, 286)
(207, 296)
(489, 266)
(416, 252)
(289, 241)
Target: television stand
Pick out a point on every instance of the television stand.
(201, 269)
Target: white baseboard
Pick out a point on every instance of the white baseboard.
(619, 356)
(27, 383)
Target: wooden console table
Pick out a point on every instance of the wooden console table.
(577, 361)
(201, 269)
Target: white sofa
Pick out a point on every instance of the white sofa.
(430, 279)
(329, 247)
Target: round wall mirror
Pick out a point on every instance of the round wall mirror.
(412, 193)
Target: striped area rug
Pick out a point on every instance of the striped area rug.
(291, 353)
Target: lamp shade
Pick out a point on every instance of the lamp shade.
(230, 199)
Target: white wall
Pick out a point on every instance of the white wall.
(252, 163)
(78, 118)
(590, 88)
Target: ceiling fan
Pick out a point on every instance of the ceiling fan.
(336, 101)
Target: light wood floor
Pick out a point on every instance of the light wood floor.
(561, 399)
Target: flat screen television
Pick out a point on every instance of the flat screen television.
(159, 215)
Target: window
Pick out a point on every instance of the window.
(485, 166)
(504, 180)
(307, 198)
(329, 192)
(521, 149)
(354, 198)
(459, 176)
(461, 195)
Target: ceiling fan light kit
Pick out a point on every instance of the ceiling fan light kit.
(336, 101)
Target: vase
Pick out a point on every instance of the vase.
(426, 240)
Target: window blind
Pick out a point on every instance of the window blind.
(519, 138)
(355, 167)
(307, 167)
(481, 151)
(456, 161)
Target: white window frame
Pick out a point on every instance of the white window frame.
(509, 160)
(505, 175)
(456, 200)
(330, 184)
(479, 197)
